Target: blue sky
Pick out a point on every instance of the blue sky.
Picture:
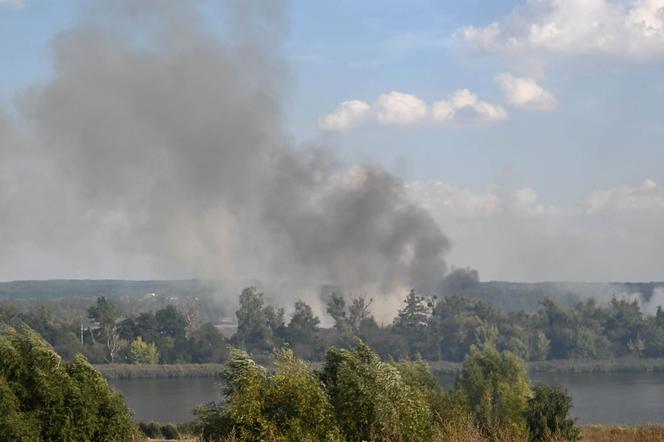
(543, 115)
(606, 132)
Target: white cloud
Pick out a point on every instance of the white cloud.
(633, 32)
(483, 111)
(398, 108)
(401, 109)
(513, 235)
(465, 107)
(348, 115)
(525, 93)
(646, 197)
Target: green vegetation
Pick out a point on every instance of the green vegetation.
(438, 330)
(152, 371)
(43, 397)
(141, 352)
(156, 430)
(355, 397)
(168, 335)
(546, 414)
(446, 329)
(495, 388)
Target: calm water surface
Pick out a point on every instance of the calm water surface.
(166, 400)
(619, 398)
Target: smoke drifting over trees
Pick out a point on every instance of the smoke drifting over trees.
(162, 139)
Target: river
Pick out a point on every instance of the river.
(605, 398)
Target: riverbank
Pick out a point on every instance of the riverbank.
(619, 365)
(563, 366)
(158, 371)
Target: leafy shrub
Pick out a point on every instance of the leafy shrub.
(547, 415)
(47, 398)
(150, 429)
(496, 391)
(357, 397)
(417, 375)
(170, 432)
(141, 352)
(155, 430)
(371, 400)
(290, 405)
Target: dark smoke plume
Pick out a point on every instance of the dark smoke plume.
(172, 135)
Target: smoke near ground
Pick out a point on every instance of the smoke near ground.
(161, 141)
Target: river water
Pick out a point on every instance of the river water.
(605, 398)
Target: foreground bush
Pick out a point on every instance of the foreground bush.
(495, 388)
(372, 400)
(357, 397)
(43, 397)
(546, 415)
(290, 405)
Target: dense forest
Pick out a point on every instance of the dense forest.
(436, 329)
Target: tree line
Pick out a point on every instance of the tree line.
(445, 329)
(436, 329)
(167, 335)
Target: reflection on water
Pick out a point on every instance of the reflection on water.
(625, 398)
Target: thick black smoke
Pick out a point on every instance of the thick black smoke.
(174, 133)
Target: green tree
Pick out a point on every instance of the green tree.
(547, 415)
(207, 344)
(105, 314)
(336, 308)
(495, 386)
(297, 407)
(46, 398)
(458, 324)
(371, 400)
(141, 352)
(253, 330)
(302, 331)
(290, 405)
(624, 326)
(276, 323)
(172, 341)
(15, 425)
(417, 375)
(412, 322)
(659, 316)
(358, 311)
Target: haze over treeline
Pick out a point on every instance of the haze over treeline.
(157, 138)
(159, 146)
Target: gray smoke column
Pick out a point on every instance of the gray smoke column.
(173, 135)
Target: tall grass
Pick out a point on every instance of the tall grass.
(145, 371)
(616, 365)
(616, 433)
